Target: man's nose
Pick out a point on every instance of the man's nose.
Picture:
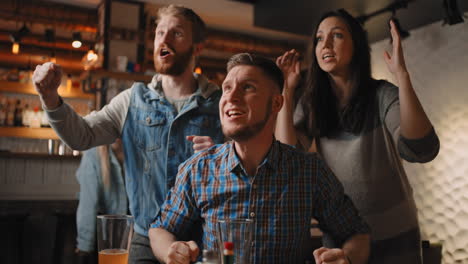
(234, 95)
(164, 38)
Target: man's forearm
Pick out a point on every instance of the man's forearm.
(357, 248)
(160, 240)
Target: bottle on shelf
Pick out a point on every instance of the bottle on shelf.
(10, 115)
(44, 120)
(3, 112)
(26, 115)
(18, 116)
(35, 121)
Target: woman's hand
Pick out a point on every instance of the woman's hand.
(290, 66)
(396, 61)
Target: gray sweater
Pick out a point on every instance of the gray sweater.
(369, 165)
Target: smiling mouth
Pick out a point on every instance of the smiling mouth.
(327, 56)
(234, 113)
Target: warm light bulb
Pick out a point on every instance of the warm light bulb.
(198, 70)
(91, 56)
(76, 44)
(15, 48)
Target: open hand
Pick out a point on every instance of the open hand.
(395, 61)
(290, 66)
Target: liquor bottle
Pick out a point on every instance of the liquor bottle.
(26, 115)
(10, 114)
(18, 117)
(35, 120)
(3, 112)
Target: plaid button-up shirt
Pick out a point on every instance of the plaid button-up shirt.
(288, 190)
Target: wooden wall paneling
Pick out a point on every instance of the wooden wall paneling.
(52, 172)
(34, 172)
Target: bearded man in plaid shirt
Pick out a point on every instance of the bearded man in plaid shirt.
(254, 176)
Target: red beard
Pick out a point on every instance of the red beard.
(179, 63)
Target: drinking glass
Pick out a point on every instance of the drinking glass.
(238, 234)
(114, 234)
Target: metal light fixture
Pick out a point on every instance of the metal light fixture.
(76, 40)
(49, 35)
(23, 31)
(16, 38)
(452, 12)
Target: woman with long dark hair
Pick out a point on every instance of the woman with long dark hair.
(362, 127)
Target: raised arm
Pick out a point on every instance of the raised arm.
(414, 122)
(290, 66)
(80, 133)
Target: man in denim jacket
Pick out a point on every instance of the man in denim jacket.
(154, 121)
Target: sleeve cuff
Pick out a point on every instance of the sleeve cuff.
(422, 149)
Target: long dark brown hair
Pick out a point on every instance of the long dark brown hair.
(322, 115)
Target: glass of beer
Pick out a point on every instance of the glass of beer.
(114, 235)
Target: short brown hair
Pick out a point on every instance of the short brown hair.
(266, 65)
(198, 26)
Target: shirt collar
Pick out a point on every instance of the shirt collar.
(271, 159)
(204, 87)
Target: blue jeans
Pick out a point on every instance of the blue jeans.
(140, 251)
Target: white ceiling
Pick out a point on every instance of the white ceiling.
(219, 14)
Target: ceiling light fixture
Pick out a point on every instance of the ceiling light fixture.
(16, 38)
(452, 12)
(76, 40)
(49, 35)
(393, 7)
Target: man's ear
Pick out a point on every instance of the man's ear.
(277, 103)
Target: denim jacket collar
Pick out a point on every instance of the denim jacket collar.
(204, 89)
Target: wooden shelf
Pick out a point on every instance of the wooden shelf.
(27, 132)
(28, 88)
(137, 77)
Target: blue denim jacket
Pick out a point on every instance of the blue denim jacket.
(94, 199)
(154, 144)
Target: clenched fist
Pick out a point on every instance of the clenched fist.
(182, 252)
(46, 79)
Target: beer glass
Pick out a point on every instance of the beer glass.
(238, 234)
(114, 235)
